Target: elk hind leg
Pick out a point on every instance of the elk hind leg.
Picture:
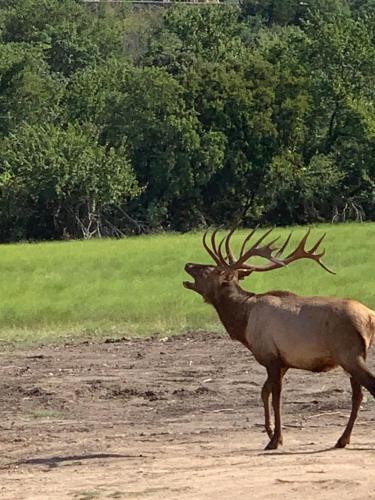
(357, 397)
(361, 374)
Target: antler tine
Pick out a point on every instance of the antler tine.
(228, 249)
(220, 253)
(322, 263)
(248, 237)
(261, 239)
(213, 240)
(210, 252)
(316, 246)
(271, 243)
(217, 249)
(301, 245)
(299, 252)
(283, 247)
(317, 257)
(265, 251)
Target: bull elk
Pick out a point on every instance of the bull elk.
(284, 330)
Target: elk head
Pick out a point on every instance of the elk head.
(209, 280)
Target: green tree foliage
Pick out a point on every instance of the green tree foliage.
(342, 56)
(115, 119)
(70, 35)
(173, 156)
(28, 91)
(60, 182)
(236, 102)
(289, 12)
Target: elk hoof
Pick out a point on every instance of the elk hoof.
(273, 444)
(342, 442)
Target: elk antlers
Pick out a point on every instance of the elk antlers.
(268, 251)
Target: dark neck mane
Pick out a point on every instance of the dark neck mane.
(232, 311)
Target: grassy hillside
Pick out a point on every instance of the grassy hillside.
(133, 286)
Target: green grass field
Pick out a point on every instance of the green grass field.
(134, 286)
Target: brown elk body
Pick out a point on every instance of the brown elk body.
(284, 330)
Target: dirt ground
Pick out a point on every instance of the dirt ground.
(177, 418)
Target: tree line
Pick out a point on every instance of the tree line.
(117, 119)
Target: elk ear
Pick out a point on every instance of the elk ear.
(243, 274)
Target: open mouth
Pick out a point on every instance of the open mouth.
(188, 284)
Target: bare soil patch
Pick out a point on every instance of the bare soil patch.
(177, 418)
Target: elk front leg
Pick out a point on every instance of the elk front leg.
(357, 397)
(275, 374)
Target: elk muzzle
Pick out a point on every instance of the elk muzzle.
(189, 268)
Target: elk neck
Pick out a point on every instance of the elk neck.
(233, 305)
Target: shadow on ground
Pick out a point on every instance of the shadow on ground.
(55, 461)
